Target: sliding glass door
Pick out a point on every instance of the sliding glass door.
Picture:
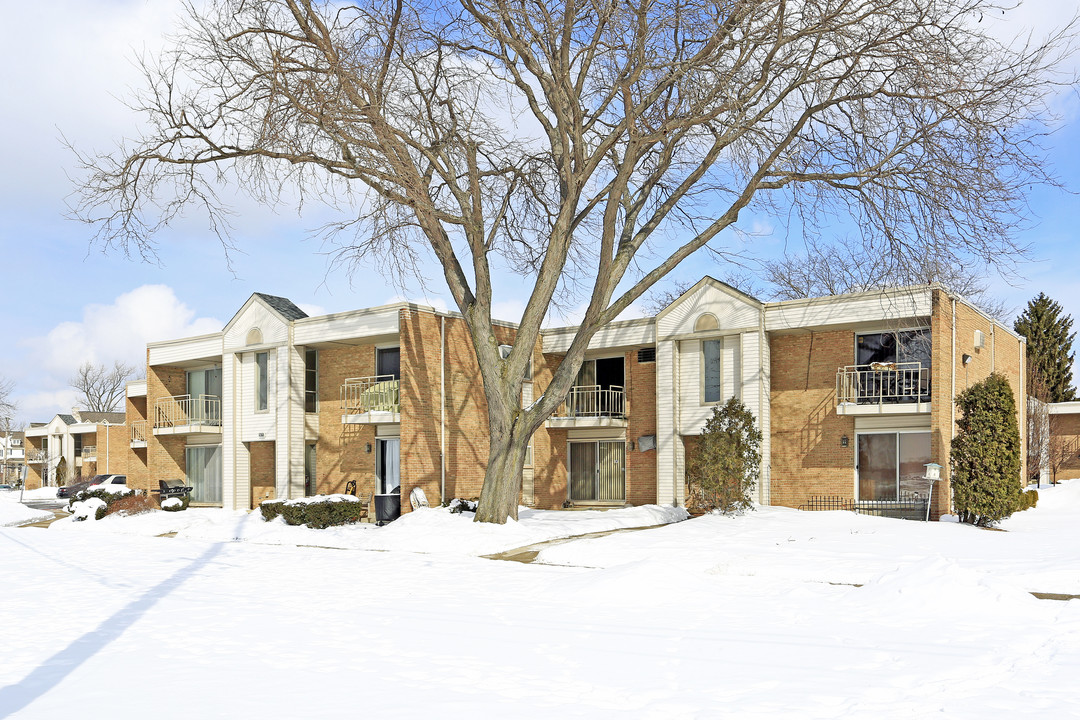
(891, 464)
(204, 473)
(598, 471)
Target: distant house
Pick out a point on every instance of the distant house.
(12, 456)
(89, 443)
(854, 395)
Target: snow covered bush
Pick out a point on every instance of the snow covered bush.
(92, 507)
(457, 505)
(107, 495)
(722, 465)
(318, 512)
(176, 504)
(986, 453)
(131, 504)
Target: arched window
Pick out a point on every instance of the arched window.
(254, 336)
(706, 321)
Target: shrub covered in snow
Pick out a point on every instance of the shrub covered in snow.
(986, 453)
(722, 466)
(106, 495)
(131, 504)
(320, 511)
(457, 505)
(176, 504)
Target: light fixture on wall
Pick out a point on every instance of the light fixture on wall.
(843, 441)
(367, 448)
(966, 359)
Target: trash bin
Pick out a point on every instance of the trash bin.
(387, 508)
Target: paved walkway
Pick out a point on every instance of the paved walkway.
(529, 553)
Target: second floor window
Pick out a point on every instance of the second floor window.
(388, 362)
(713, 371)
(311, 381)
(262, 384)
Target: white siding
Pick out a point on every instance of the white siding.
(136, 388)
(289, 464)
(264, 421)
(764, 370)
(849, 309)
(694, 411)
(346, 326)
(666, 430)
(731, 311)
(236, 479)
(624, 333)
(189, 349)
(255, 314)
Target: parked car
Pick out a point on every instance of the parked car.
(5, 486)
(68, 491)
(108, 480)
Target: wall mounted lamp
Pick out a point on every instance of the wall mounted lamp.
(966, 359)
(367, 448)
(843, 441)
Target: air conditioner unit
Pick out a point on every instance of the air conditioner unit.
(980, 340)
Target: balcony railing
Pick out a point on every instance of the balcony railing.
(184, 410)
(376, 393)
(90, 451)
(138, 432)
(593, 401)
(883, 384)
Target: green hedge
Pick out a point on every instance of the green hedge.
(1028, 500)
(317, 514)
(108, 497)
(184, 499)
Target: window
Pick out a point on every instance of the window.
(262, 385)
(894, 366)
(388, 362)
(311, 381)
(712, 371)
(892, 464)
(78, 443)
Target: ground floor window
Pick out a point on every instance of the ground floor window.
(892, 464)
(597, 471)
(310, 482)
(204, 473)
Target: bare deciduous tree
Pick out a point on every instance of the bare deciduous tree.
(589, 146)
(8, 407)
(101, 389)
(856, 265)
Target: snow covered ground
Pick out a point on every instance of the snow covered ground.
(752, 617)
(13, 513)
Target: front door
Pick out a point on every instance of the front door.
(598, 471)
(389, 466)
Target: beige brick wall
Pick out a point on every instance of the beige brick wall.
(341, 452)
(31, 446)
(641, 402)
(261, 456)
(1065, 439)
(164, 453)
(807, 456)
(138, 473)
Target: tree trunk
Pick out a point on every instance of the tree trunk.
(502, 479)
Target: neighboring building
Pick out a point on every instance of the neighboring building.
(89, 443)
(12, 456)
(854, 395)
(1061, 454)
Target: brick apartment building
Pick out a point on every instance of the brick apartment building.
(853, 394)
(89, 443)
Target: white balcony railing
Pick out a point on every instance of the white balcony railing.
(90, 451)
(184, 410)
(376, 393)
(883, 384)
(138, 432)
(584, 401)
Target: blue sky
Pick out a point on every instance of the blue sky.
(67, 302)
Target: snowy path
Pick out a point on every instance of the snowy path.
(715, 617)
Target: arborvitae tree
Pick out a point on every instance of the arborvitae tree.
(986, 453)
(1049, 349)
(723, 466)
(61, 472)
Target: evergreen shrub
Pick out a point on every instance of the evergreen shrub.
(1028, 499)
(986, 453)
(176, 503)
(319, 512)
(722, 467)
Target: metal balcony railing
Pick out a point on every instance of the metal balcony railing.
(89, 451)
(883, 383)
(585, 401)
(375, 393)
(138, 431)
(184, 410)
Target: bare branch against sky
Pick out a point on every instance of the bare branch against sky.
(101, 389)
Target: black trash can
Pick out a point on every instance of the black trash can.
(387, 508)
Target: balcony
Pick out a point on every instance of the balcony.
(138, 434)
(89, 452)
(372, 399)
(885, 388)
(187, 415)
(591, 406)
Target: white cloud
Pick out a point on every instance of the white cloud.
(104, 334)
